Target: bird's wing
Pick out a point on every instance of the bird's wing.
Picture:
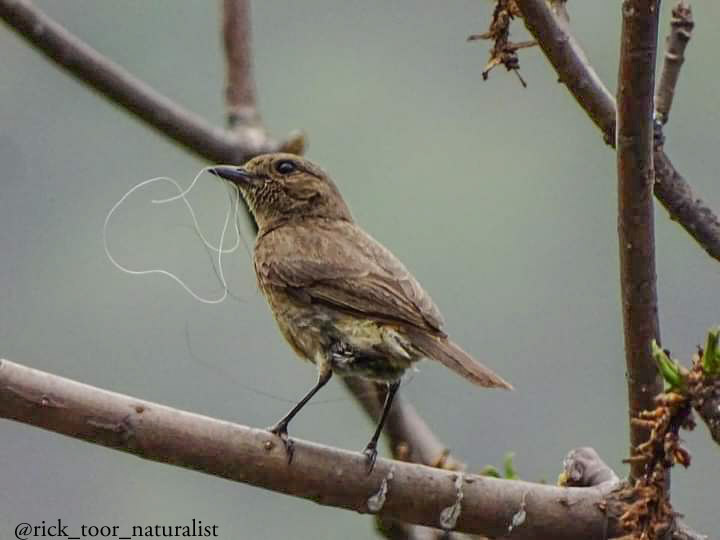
(341, 265)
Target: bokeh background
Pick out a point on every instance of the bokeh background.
(500, 199)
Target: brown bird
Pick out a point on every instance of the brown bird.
(342, 300)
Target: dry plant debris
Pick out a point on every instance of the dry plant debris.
(503, 51)
(648, 514)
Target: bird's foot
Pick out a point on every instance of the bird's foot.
(370, 454)
(280, 430)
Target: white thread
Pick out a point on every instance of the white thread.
(182, 193)
(232, 209)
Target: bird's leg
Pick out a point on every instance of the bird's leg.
(371, 448)
(280, 428)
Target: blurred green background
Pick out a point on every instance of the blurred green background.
(500, 199)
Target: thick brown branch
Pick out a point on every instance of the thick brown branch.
(681, 27)
(119, 86)
(571, 64)
(328, 476)
(410, 439)
(636, 82)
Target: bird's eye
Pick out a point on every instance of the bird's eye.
(285, 166)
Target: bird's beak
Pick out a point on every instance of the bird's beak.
(236, 175)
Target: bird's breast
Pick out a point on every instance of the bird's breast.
(354, 345)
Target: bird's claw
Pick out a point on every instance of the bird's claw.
(370, 454)
(280, 430)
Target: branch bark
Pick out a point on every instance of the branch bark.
(411, 440)
(117, 85)
(573, 69)
(689, 210)
(328, 476)
(583, 467)
(681, 27)
(240, 86)
(571, 64)
(636, 83)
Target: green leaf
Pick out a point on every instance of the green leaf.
(509, 467)
(711, 354)
(509, 471)
(669, 369)
(489, 470)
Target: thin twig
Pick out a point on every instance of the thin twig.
(681, 27)
(138, 98)
(240, 86)
(636, 81)
(670, 187)
(328, 476)
(573, 68)
(240, 103)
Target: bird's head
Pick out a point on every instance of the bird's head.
(283, 187)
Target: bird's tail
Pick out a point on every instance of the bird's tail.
(445, 351)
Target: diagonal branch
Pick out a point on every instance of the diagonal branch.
(117, 85)
(689, 210)
(571, 64)
(670, 187)
(328, 476)
(573, 69)
(636, 82)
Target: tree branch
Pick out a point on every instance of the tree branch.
(328, 476)
(681, 27)
(571, 64)
(119, 86)
(636, 82)
(671, 189)
(410, 439)
(689, 210)
(239, 88)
